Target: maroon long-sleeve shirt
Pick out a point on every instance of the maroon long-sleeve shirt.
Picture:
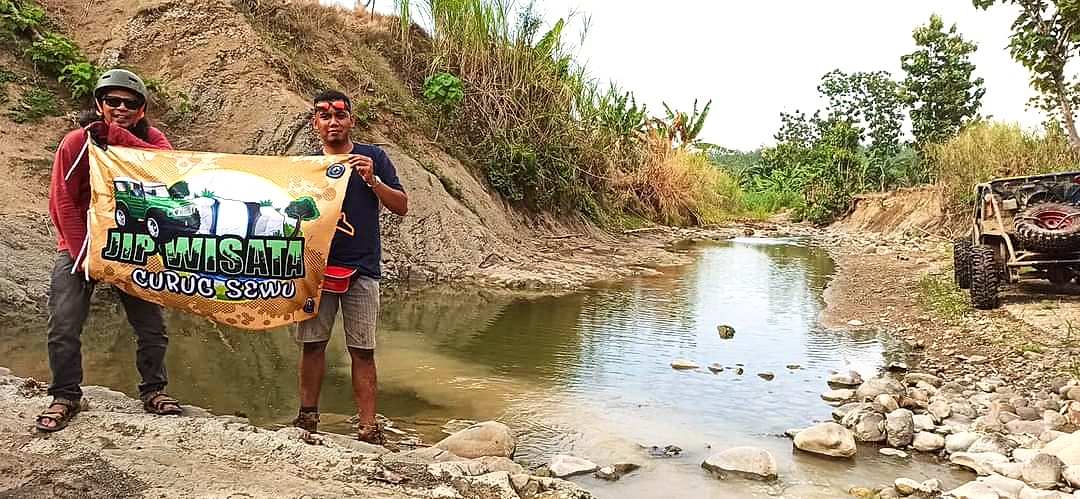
(69, 194)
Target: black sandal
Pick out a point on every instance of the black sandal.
(161, 403)
(308, 420)
(61, 418)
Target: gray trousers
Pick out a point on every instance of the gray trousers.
(69, 304)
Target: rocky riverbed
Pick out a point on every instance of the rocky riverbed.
(114, 449)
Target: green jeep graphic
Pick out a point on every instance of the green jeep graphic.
(162, 215)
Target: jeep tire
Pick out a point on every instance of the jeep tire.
(155, 228)
(122, 217)
(985, 276)
(962, 263)
(1063, 236)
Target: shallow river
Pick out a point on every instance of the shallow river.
(586, 374)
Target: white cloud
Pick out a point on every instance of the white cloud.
(756, 59)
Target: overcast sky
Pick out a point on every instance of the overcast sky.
(756, 59)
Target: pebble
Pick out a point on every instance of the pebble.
(683, 364)
(889, 451)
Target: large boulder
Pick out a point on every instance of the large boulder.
(974, 490)
(849, 380)
(828, 439)
(867, 422)
(488, 438)
(1066, 448)
(899, 428)
(981, 463)
(877, 386)
(1043, 472)
(928, 442)
(1005, 487)
(746, 462)
(992, 443)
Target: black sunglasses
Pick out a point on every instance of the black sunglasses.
(115, 102)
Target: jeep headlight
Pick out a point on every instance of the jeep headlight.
(183, 211)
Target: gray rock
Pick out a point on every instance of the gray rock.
(923, 422)
(913, 379)
(957, 423)
(564, 466)
(889, 402)
(1006, 487)
(1011, 470)
(866, 423)
(906, 486)
(683, 364)
(889, 451)
(829, 439)
(931, 487)
(992, 443)
(974, 490)
(877, 386)
(616, 471)
(839, 395)
(495, 485)
(980, 462)
(716, 368)
(963, 409)
(1071, 474)
(766, 375)
(843, 410)
(726, 332)
(1029, 413)
(1043, 472)
(488, 438)
(745, 462)
(928, 442)
(899, 428)
(1025, 427)
(940, 410)
(4, 371)
(897, 367)
(960, 442)
(1048, 405)
(1055, 421)
(1066, 448)
(850, 380)
(977, 359)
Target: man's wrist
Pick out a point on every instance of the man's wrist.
(375, 181)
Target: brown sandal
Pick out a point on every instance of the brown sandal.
(161, 403)
(372, 434)
(308, 420)
(61, 417)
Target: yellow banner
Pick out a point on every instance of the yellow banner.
(242, 240)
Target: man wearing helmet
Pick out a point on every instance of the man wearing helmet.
(120, 107)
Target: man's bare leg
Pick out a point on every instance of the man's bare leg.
(312, 370)
(364, 381)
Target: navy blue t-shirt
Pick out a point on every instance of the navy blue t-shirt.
(356, 243)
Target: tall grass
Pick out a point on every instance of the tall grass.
(992, 149)
(545, 133)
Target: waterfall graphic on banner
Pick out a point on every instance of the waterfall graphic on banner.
(241, 240)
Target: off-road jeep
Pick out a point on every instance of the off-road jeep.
(1022, 228)
(150, 203)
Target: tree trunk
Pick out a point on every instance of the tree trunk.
(1067, 113)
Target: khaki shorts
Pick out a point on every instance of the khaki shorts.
(359, 311)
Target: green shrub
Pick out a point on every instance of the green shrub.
(444, 90)
(35, 104)
(80, 78)
(53, 52)
(18, 18)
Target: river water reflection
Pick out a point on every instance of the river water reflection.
(585, 374)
